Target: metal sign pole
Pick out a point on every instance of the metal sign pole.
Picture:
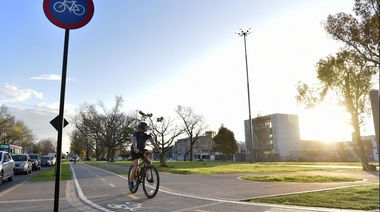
(60, 123)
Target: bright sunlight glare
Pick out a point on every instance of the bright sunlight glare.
(327, 122)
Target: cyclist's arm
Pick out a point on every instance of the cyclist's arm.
(134, 143)
(153, 143)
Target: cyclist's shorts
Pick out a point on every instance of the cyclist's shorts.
(138, 155)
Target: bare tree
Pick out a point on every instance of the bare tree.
(164, 131)
(47, 145)
(193, 125)
(106, 128)
(87, 122)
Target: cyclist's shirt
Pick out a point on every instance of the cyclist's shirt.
(141, 138)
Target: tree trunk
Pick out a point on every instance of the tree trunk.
(112, 155)
(362, 152)
(162, 159)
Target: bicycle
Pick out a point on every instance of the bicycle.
(77, 9)
(147, 175)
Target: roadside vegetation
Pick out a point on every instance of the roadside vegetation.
(49, 174)
(355, 198)
(299, 178)
(208, 168)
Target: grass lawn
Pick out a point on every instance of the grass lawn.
(299, 178)
(50, 173)
(355, 198)
(208, 168)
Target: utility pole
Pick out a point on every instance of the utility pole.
(244, 34)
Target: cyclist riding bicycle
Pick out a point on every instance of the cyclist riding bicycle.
(138, 150)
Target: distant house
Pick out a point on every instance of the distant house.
(202, 148)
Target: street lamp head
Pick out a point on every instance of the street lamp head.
(243, 32)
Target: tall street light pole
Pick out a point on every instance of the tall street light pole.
(244, 34)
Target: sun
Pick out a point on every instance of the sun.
(327, 122)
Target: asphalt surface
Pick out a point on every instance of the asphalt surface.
(94, 189)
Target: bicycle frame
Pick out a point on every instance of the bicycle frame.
(67, 2)
(141, 169)
(147, 176)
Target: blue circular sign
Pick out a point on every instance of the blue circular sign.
(69, 14)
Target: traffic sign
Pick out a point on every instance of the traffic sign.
(69, 14)
(55, 123)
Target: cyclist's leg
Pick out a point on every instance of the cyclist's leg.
(135, 162)
(135, 165)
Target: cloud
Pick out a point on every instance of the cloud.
(18, 95)
(47, 77)
(39, 122)
(44, 106)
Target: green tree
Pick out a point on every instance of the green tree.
(78, 144)
(349, 77)
(225, 142)
(14, 131)
(359, 32)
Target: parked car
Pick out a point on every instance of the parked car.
(46, 161)
(53, 160)
(23, 163)
(7, 166)
(36, 161)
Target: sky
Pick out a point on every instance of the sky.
(161, 54)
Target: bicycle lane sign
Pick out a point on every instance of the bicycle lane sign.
(69, 14)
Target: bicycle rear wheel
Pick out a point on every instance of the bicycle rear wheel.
(151, 182)
(133, 190)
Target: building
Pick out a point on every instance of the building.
(276, 137)
(202, 148)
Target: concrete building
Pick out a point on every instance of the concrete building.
(202, 148)
(276, 137)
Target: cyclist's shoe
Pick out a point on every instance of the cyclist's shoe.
(131, 185)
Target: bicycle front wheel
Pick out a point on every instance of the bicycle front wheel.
(151, 182)
(134, 189)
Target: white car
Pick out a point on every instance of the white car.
(23, 163)
(7, 166)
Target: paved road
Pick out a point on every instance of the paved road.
(94, 189)
(19, 178)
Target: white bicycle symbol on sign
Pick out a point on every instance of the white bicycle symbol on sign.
(61, 6)
(132, 206)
